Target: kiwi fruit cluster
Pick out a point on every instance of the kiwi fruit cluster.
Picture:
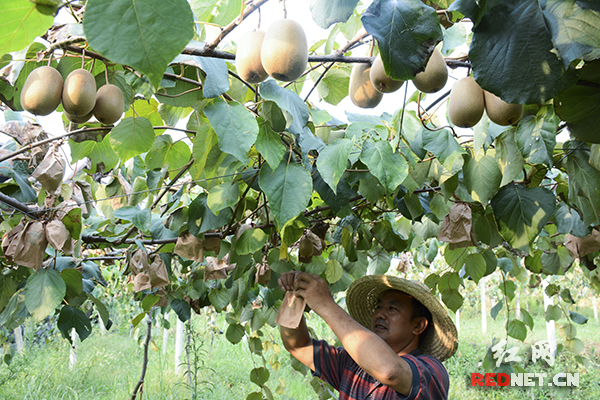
(44, 90)
(468, 101)
(281, 52)
(369, 83)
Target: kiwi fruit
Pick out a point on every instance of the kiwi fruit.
(380, 81)
(284, 51)
(247, 57)
(501, 112)
(79, 93)
(466, 103)
(362, 91)
(78, 120)
(305, 249)
(109, 104)
(435, 76)
(42, 91)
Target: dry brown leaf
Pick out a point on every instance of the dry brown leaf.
(141, 282)
(59, 236)
(291, 311)
(158, 273)
(190, 247)
(263, 274)
(31, 247)
(10, 240)
(50, 171)
(215, 268)
(139, 262)
(457, 227)
(581, 246)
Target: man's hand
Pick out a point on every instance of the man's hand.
(314, 290)
(287, 280)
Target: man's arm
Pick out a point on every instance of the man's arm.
(367, 349)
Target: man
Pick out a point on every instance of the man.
(393, 340)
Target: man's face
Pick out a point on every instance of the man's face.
(392, 321)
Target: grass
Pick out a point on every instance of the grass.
(109, 366)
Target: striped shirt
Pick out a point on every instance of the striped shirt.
(334, 366)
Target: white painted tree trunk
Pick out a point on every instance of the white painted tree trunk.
(550, 327)
(483, 305)
(518, 305)
(178, 345)
(18, 339)
(457, 320)
(102, 327)
(165, 340)
(595, 305)
(73, 352)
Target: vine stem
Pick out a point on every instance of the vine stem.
(249, 9)
(140, 384)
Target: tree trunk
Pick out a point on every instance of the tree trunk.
(178, 344)
(483, 305)
(18, 339)
(550, 327)
(595, 305)
(518, 305)
(73, 352)
(165, 340)
(457, 320)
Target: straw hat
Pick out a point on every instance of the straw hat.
(364, 293)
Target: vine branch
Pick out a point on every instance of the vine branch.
(140, 384)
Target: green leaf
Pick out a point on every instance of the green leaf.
(235, 333)
(44, 292)
(486, 229)
(218, 298)
(333, 87)
(333, 160)
(73, 223)
(496, 309)
(328, 12)
(509, 159)
(516, 329)
(475, 266)
(217, 75)
(288, 189)
(98, 152)
(141, 219)
(73, 281)
(406, 33)
(131, 137)
(202, 219)
(102, 311)
(475, 10)
(223, 196)
(138, 318)
(7, 289)
(389, 167)
(577, 318)
(164, 151)
(379, 261)
(452, 299)
(259, 376)
(250, 241)
(149, 301)
(236, 128)
(220, 12)
(527, 319)
(333, 271)
(579, 105)
(144, 34)
(553, 313)
(584, 183)
(204, 142)
(288, 101)
(482, 176)
(21, 24)
(536, 136)
(575, 29)
(522, 212)
(387, 236)
(182, 309)
(446, 148)
(269, 145)
(73, 318)
(497, 51)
